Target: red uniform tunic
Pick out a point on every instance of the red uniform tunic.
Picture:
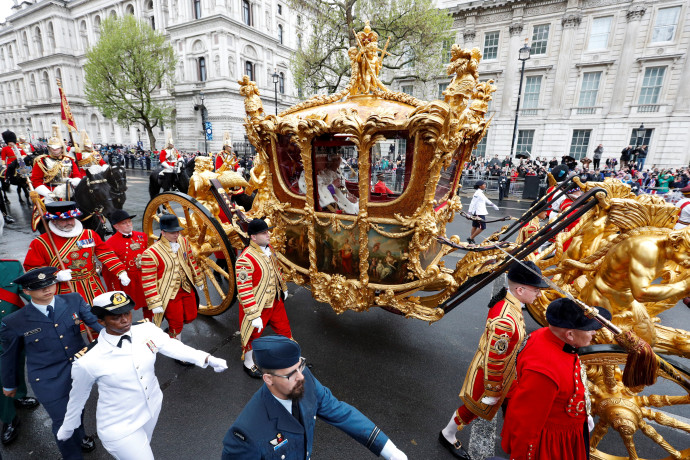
(492, 370)
(260, 285)
(565, 205)
(8, 156)
(547, 415)
(86, 159)
(381, 187)
(130, 251)
(169, 157)
(78, 255)
(221, 157)
(41, 174)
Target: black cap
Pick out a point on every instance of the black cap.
(560, 172)
(257, 226)
(57, 210)
(276, 352)
(119, 215)
(38, 278)
(479, 183)
(170, 223)
(567, 314)
(521, 274)
(8, 136)
(112, 303)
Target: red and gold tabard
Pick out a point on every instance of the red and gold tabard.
(492, 370)
(547, 414)
(164, 272)
(51, 172)
(529, 229)
(130, 251)
(78, 255)
(259, 284)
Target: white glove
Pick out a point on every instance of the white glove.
(218, 365)
(64, 275)
(285, 294)
(124, 279)
(64, 434)
(166, 168)
(490, 400)
(75, 181)
(390, 452)
(258, 324)
(590, 423)
(496, 207)
(157, 310)
(44, 192)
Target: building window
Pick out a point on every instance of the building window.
(201, 67)
(441, 88)
(299, 20)
(480, 149)
(196, 5)
(246, 12)
(589, 89)
(491, 45)
(645, 139)
(665, 24)
(524, 141)
(407, 89)
(281, 82)
(249, 70)
(153, 22)
(540, 38)
(651, 85)
(447, 44)
(280, 34)
(299, 41)
(532, 90)
(579, 145)
(280, 9)
(599, 35)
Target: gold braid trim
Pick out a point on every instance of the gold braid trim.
(49, 174)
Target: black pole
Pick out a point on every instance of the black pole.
(517, 110)
(203, 124)
(275, 90)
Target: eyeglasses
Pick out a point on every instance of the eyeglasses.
(532, 289)
(300, 369)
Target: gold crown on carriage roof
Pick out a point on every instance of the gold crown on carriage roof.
(367, 35)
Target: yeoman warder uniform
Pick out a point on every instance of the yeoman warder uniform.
(273, 427)
(78, 250)
(129, 248)
(50, 335)
(547, 417)
(492, 370)
(129, 397)
(169, 274)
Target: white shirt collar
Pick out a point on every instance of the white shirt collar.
(44, 308)
(115, 339)
(286, 403)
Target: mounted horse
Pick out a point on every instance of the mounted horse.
(178, 179)
(116, 175)
(18, 173)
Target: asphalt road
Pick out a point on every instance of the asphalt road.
(403, 373)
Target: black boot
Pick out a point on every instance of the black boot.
(9, 431)
(454, 448)
(26, 403)
(88, 444)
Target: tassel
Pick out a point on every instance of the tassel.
(641, 366)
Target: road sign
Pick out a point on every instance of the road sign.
(209, 130)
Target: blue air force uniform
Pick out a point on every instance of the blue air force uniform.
(50, 347)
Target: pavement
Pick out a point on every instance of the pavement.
(404, 374)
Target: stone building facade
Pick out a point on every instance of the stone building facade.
(597, 70)
(216, 43)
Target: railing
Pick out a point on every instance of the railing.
(648, 108)
(243, 149)
(529, 112)
(586, 110)
(515, 187)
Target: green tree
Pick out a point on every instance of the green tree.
(417, 31)
(125, 72)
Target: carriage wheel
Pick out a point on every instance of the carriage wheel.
(208, 242)
(629, 418)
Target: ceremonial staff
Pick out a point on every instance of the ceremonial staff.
(642, 363)
(39, 207)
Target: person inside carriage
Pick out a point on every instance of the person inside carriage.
(330, 184)
(54, 175)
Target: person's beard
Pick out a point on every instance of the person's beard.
(298, 391)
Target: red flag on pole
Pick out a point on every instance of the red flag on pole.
(65, 111)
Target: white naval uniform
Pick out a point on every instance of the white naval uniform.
(129, 397)
(684, 216)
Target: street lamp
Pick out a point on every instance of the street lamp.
(523, 55)
(204, 113)
(276, 78)
(639, 135)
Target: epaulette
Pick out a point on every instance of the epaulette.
(85, 350)
(500, 295)
(141, 321)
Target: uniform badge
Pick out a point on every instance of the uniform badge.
(41, 276)
(32, 332)
(152, 346)
(242, 276)
(135, 246)
(86, 243)
(278, 442)
(137, 261)
(74, 255)
(76, 319)
(501, 345)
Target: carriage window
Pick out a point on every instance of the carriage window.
(446, 183)
(290, 164)
(336, 180)
(391, 162)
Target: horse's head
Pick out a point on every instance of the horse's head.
(116, 176)
(93, 195)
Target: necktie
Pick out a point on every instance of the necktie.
(119, 344)
(51, 313)
(296, 412)
(126, 236)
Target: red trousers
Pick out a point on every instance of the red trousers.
(464, 416)
(276, 317)
(181, 310)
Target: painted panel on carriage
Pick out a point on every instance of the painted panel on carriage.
(297, 243)
(386, 263)
(338, 253)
